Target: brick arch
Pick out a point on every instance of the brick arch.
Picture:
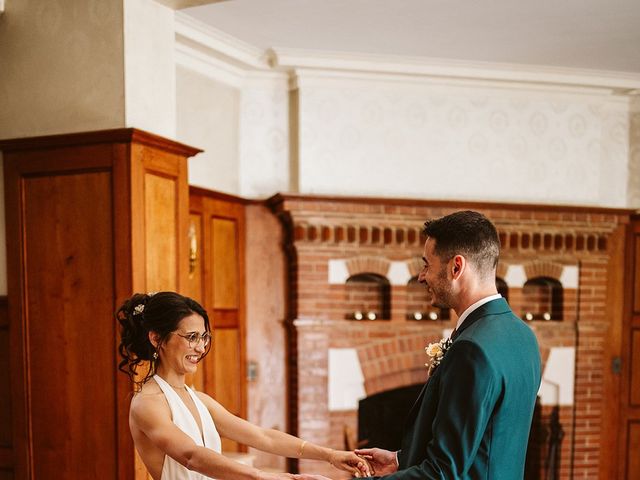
(501, 271)
(543, 269)
(414, 265)
(368, 264)
(394, 363)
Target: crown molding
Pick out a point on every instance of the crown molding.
(226, 58)
(398, 68)
(179, 4)
(220, 44)
(222, 57)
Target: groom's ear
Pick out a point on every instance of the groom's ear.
(458, 265)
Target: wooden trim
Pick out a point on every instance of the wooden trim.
(6, 459)
(618, 284)
(121, 188)
(276, 201)
(4, 315)
(69, 161)
(17, 336)
(118, 135)
(227, 197)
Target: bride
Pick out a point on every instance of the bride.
(176, 430)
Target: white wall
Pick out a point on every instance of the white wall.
(150, 78)
(424, 140)
(62, 67)
(403, 128)
(633, 171)
(207, 118)
(264, 161)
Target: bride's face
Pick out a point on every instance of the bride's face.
(184, 347)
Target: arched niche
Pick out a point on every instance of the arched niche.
(542, 299)
(368, 297)
(502, 287)
(419, 305)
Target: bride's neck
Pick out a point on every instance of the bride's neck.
(174, 379)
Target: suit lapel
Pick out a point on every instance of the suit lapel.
(499, 305)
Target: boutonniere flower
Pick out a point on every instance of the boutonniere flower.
(436, 352)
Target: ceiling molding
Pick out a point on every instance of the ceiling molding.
(222, 45)
(222, 57)
(230, 60)
(179, 4)
(397, 67)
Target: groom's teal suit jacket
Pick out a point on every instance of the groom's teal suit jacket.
(472, 418)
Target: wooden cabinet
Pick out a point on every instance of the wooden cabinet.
(216, 279)
(91, 218)
(629, 407)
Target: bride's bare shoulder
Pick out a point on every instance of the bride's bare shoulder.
(150, 394)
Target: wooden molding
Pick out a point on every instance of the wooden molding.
(203, 192)
(119, 135)
(275, 202)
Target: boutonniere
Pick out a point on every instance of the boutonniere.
(436, 352)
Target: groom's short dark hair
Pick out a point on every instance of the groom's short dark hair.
(466, 233)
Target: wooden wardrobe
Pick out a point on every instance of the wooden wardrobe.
(92, 218)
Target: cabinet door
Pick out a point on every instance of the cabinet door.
(68, 279)
(218, 226)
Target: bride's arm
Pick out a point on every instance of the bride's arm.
(280, 443)
(149, 416)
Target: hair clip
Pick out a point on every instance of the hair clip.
(138, 309)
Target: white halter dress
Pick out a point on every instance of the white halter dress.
(172, 470)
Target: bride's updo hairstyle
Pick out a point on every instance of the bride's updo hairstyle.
(151, 312)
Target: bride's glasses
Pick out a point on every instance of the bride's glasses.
(195, 339)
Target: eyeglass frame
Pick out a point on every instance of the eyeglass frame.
(205, 339)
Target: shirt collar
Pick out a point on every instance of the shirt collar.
(474, 306)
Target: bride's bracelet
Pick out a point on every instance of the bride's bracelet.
(301, 451)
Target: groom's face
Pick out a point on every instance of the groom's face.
(435, 276)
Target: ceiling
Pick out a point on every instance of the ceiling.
(581, 34)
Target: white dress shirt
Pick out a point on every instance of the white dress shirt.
(474, 306)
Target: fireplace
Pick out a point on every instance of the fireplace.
(553, 271)
(381, 417)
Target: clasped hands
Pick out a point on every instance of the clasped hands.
(359, 463)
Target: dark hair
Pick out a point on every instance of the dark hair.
(151, 312)
(466, 233)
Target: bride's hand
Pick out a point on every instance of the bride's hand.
(307, 476)
(350, 462)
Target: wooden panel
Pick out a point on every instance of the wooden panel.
(5, 380)
(228, 376)
(224, 263)
(6, 458)
(634, 390)
(5, 390)
(633, 458)
(160, 233)
(6, 475)
(227, 361)
(225, 319)
(69, 281)
(194, 283)
(636, 280)
(223, 297)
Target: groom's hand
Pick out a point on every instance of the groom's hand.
(382, 461)
(350, 462)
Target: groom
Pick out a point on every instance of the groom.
(472, 418)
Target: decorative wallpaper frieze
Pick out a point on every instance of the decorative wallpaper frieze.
(457, 143)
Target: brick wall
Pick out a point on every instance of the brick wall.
(371, 234)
